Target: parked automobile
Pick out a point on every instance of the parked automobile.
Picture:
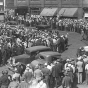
(36, 49)
(30, 54)
(43, 27)
(49, 56)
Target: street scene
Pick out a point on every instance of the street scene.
(43, 43)
(74, 43)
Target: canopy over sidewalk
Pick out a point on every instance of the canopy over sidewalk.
(49, 12)
(68, 12)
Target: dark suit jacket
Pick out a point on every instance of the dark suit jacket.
(56, 70)
(66, 82)
(46, 71)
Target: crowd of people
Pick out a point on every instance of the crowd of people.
(50, 75)
(14, 40)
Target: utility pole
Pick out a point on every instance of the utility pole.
(4, 2)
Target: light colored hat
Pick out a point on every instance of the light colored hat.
(27, 65)
(27, 68)
(69, 65)
(45, 64)
(68, 60)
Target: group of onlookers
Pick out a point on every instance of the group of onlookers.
(51, 75)
(13, 42)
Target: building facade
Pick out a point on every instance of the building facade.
(1, 5)
(9, 4)
(35, 6)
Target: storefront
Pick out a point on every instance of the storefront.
(21, 7)
(68, 12)
(21, 10)
(49, 12)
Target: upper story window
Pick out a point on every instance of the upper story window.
(21, 0)
(35, 0)
(51, 0)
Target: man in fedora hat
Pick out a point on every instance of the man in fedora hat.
(46, 73)
(80, 66)
(86, 70)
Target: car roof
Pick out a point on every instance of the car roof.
(37, 48)
(50, 53)
(23, 56)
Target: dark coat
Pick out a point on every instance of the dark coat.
(66, 82)
(56, 70)
(71, 75)
(4, 80)
(46, 71)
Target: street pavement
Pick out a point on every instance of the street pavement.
(74, 43)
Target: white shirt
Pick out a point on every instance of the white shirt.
(50, 67)
(41, 84)
(15, 75)
(73, 67)
(54, 41)
(86, 67)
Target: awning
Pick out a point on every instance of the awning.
(49, 12)
(68, 12)
(86, 15)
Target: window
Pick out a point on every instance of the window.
(35, 0)
(21, 0)
(41, 57)
(51, 0)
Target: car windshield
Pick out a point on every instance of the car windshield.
(55, 57)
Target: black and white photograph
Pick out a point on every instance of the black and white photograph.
(43, 43)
